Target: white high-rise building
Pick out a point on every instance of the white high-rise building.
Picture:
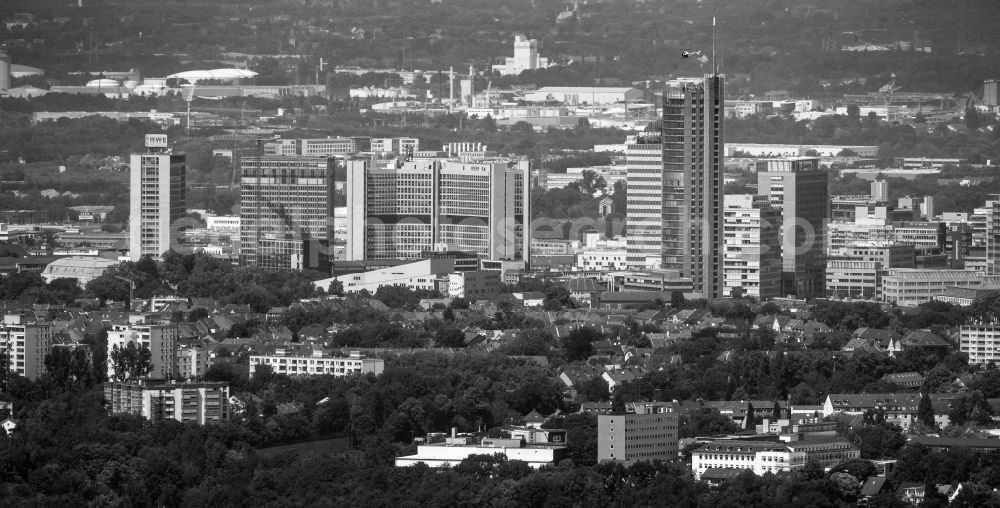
(644, 163)
(160, 339)
(156, 198)
(26, 344)
(752, 240)
(525, 58)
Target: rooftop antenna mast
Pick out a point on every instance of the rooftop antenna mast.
(715, 68)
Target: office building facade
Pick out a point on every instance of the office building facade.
(693, 149)
(646, 435)
(286, 211)
(752, 242)
(644, 163)
(800, 190)
(157, 182)
(401, 209)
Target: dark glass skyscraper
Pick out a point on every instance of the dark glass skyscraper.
(692, 138)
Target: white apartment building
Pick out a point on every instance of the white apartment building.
(752, 262)
(26, 343)
(156, 198)
(160, 339)
(981, 341)
(185, 402)
(288, 362)
(193, 361)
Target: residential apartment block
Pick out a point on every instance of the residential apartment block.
(160, 339)
(294, 363)
(26, 344)
(981, 341)
(185, 402)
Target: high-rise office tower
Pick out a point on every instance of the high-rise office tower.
(398, 210)
(644, 163)
(692, 137)
(156, 198)
(286, 211)
(752, 239)
(800, 189)
(991, 97)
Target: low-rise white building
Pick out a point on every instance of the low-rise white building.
(910, 287)
(428, 274)
(575, 95)
(455, 449)
(317, 363)
(757, 456)
(83, 269)
(602, 259)
(474, 285)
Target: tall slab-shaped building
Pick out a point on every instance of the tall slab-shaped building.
(693, 148)
(801, 190)
(157, 182)
(400, 209)
(286, 211)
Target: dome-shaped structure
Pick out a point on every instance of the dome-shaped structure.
(102, 83)
(220, 74)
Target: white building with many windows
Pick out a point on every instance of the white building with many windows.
(156, 198)
(317, 363)
(185, 402)
(981, 341)
(26, 343)
(160, 339)
(752, 262)
(757, 456)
